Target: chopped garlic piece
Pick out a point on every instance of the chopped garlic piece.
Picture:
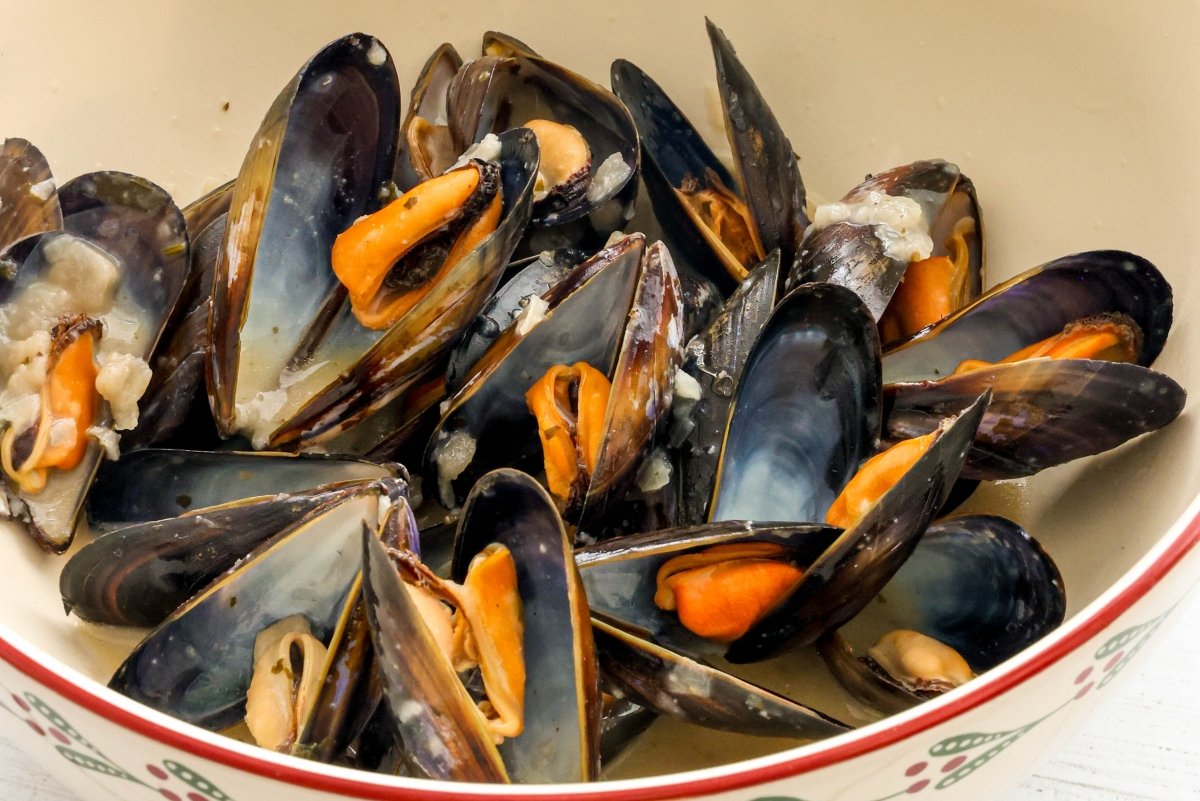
(533, 313)
(121, 380)
(609, 177)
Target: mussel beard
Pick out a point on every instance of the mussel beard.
(388, 261)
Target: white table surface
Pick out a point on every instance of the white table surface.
(1144, 744)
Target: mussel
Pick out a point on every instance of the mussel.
(741, 220)
(1064, 350)
(587, 179)
(310, 333)
(627, 359)
(518, 599)
(307, 569)
(923, 217)
(80, 318)
(977, 590)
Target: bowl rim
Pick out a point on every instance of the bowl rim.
(1180, 539)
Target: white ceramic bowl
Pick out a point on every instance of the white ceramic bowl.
(1077, 123)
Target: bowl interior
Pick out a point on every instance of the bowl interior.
(1073, 147)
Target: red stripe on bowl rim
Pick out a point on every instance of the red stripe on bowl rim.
(91, 695)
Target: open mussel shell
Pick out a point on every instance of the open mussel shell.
(386, 364)
(977, 583)
(1043, 412)
(675, 685)
(317, 163)
(494, 94)
(860, 562)
(621, 573)
(766, 162)
(1038, 304)
(534, 277)
(715, 359)
(426, 148)
(138, 226)
(488, 424)
(28, 196)
(448, 741)
(197, 665)
(980, 584)
(139, 574)
(560, 741)
(806, 411)
(676, 157)
(861, 257)
(489, 416)
(155, 484)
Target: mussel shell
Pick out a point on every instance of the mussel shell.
(880, 693)
(137, 224)
(447, 741)
(977, 583)
(855, 256)
(1037, 304)
(155, 484)
(639, 404)
(534, 277)
(28, 196)
(491, 407)
(675, 154)
(1044, 412)
(561, 738)
(174, 410)
(138, 575)
(806, 411)
(497, 43)
(429, 101)
(862, 560)
(392, 362)
(678, 686)
(186, 670)
(620, 574)
(525, 86)
(766, 162)
(980, 584)
(317, 163)
(715, 359)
